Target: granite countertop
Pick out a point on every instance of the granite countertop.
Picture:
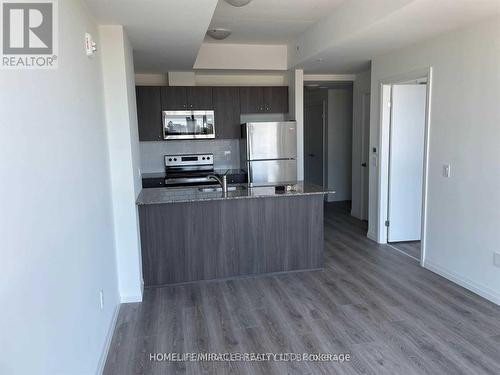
(193, 194)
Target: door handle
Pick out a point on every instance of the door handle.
(363, 164)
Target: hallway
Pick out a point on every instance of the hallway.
(391, 315)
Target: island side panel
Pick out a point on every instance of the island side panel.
(205, 240)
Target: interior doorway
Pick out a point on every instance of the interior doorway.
(403, 162)
(328, 109)
(314, 117)
(406, 167)
(365, 155)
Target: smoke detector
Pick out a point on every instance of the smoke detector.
(238, 3)
(219, 33)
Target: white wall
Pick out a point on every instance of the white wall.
(361, 87)
(56, 227)
(151, 79)
(463, 211)
(241, 79)
(296, 112)
(339, 144)
(220, 78)
(181, 78)
(121, 117)
(242, 56)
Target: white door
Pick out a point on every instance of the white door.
(406, 162)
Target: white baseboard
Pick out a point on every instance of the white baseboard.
(371, 236)
(131, 298)
(135, 297)
(483, 291)
(356, 215)
(107, 343)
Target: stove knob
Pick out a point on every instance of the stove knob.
(175, 159)
(203, 158)
(208, 157)
(170, 159)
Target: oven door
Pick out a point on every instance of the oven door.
(188, 125)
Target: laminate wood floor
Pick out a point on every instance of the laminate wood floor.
(411, 248)
(391, 315)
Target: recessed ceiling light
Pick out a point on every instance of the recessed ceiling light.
(219, 34)
(238, 3)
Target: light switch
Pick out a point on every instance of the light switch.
(496, 259)
(447, 170)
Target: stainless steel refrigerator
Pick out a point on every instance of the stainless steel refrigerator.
(268, 152)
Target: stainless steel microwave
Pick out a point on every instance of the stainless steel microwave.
(188, 125)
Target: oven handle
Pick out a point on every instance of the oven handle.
(186, 180)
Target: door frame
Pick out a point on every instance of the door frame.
(365, 98)
(383, 148)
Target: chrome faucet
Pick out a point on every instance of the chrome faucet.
(221, 179)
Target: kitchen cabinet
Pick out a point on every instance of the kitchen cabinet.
(189, 98)
(173, 98)
(149, 113)
(203, 240)
(157, 182)
(226, 104)
(264, 99)
(276, 99)
(252, 99)
(199, 97)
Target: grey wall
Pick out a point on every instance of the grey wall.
(56, 227)
(226, 152)
(339, 141)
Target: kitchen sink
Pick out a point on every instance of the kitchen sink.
(215, 189)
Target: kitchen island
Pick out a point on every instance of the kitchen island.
(188, 234)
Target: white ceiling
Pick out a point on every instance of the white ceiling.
(269, 21)
(165, 34)
(414, 22)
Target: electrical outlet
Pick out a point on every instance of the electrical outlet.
(447, 170)
(101, 299)
(496, 258)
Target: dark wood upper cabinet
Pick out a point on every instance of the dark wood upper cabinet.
(186, 97)
(252, 99)
(276, 99)
(149, 113)
(226, 103)
(199, 97)
(173, 98)
(264, 99)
